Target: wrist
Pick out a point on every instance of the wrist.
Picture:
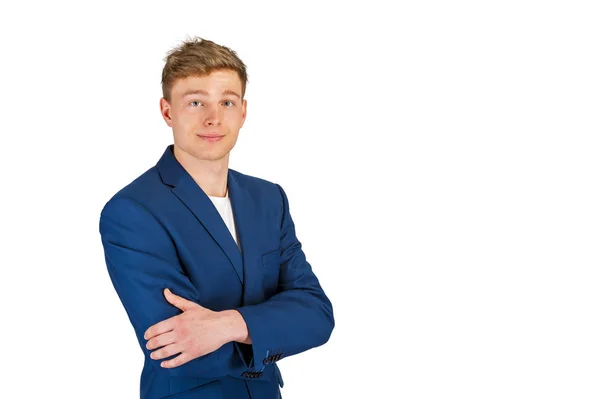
(234, 326)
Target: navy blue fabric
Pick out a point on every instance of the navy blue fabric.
(162, 231)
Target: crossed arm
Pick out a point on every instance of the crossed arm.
(142, 262)
(196, 332)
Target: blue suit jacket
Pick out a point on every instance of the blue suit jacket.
(162, 231)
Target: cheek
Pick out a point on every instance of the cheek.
(235, 119)
(188, 119)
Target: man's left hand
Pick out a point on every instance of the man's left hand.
(196, 332)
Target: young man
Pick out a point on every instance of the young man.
(205, 259)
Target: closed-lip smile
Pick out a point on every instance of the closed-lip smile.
(211, 138)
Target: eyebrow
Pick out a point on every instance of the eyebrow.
(204, 92)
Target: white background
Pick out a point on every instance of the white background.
(442, 165)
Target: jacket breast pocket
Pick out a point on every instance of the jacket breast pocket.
(271, 264)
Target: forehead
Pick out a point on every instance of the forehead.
(213, 83)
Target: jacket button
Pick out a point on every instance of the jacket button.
(252, 374)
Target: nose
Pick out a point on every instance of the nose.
(213, 116)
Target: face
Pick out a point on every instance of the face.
(205, 106)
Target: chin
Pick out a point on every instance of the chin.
(210, 156)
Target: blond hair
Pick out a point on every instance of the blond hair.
(199, 57)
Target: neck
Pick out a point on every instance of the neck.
(210, 175)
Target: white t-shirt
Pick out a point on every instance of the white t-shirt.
(223, 205)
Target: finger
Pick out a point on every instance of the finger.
(178, 301)
(160, 328)
(166, 351)
(177, 361)
(161, 340)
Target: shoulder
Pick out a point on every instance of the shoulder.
(264, 192)
(255, 185)
(145, 187)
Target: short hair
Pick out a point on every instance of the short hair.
(199, 57)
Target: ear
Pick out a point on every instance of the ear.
(165, 111)
(244, 105)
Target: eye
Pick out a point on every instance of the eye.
(195, 102)
(230, 102)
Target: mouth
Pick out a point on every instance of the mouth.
(211, 138)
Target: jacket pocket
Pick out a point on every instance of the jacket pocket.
(271, 258)
(192, 387)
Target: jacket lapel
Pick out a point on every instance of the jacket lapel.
(188, 191)
(247, 224)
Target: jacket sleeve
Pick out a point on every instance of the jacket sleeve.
(299, 316)
(142, 261)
